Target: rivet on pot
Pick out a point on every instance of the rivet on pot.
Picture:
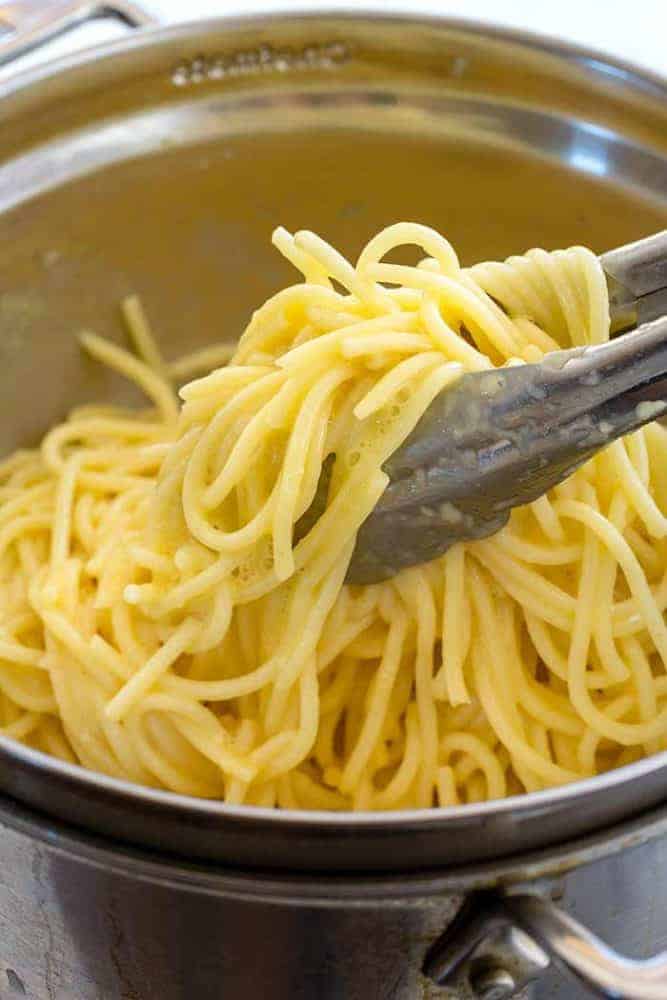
(493, 984)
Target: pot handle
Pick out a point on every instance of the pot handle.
(499, 943)
(594, 962)
(27, 24)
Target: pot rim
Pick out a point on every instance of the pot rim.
(146, 37)
(597, 62)
(390, 819)
(334, 888)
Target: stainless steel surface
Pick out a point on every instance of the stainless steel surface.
(622, 900)
(84, 919)
(162, 168)
(495, 440)
(85, 922)
(485, 947)
(637, 280)
(494, 984)
(482, 951)
(585, 954)
(27, 24)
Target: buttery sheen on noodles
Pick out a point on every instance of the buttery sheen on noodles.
(160, 621)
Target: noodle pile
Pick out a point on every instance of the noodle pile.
(161, 621)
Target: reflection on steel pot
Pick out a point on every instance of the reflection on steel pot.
(160, 164)
(89, 919)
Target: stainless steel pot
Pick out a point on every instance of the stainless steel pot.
(160, 164)
(82, 918)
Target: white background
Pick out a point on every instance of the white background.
(633, 29)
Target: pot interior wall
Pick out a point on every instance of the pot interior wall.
(186, 221)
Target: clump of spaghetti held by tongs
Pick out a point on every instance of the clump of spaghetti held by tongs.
(500, 438)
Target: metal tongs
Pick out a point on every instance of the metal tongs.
(501, 438)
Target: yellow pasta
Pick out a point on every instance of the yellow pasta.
(168, 616)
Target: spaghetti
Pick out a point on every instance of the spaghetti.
(166, 618)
